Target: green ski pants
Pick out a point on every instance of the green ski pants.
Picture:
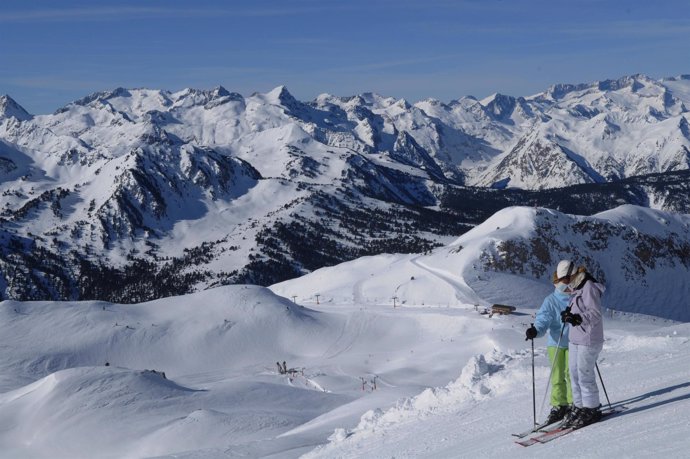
(561, 392)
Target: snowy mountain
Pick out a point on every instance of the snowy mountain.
(598, 132)
(134, 194)
(9, 108)
(195, 376)
(641, 255)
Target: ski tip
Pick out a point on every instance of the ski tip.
(527, 442)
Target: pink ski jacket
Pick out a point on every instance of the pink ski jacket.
(587, 302)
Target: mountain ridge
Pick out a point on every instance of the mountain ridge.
(169, 192)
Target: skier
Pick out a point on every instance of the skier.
(549, 320)
(585, 317)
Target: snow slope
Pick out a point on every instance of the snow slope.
(369, 380)
(217, 349)
(74, 380)
(473, 416)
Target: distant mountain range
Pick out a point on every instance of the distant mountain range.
(135, 194)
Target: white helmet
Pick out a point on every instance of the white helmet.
(565, 268)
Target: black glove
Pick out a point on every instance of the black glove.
(531, 333)
(571, 318)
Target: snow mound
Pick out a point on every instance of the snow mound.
(104, 382)
(474, 372)
(471, 386)
(509, 220)
(49, 414)
(649, 221)
(232, 327)
(75, 373)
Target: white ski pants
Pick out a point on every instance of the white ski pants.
(582, 361)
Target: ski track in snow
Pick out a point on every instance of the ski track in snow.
(466, 294)
(347, 338)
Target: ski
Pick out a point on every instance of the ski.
(542, 430)
(535, 429)
(547, 435)
(527, 441)
(553, 434)
(557, 433)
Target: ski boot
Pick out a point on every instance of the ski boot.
(586, 417)
(557, 413)
(570, 418)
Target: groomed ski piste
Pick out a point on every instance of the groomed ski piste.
(430, 377)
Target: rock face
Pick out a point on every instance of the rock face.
(640, 254)
(134, 194)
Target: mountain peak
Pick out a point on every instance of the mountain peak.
(220, 91)
(404, 104)
(103, 96)
(281, 93)
(492, 98)
(281, 96)
(558, 91)
(10, 108)
(431, 101)
(499, 105)
(634, 82)
(326, 98)
(207, 97)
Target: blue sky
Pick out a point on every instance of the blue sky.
(53, 52)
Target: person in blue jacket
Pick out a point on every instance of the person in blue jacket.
(549, 320)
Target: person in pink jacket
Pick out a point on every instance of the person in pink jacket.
(584, 314)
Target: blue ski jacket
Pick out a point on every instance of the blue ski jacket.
(549, 318)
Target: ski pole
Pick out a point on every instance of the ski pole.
(602, 385)
(555, 357)
(534, 389)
